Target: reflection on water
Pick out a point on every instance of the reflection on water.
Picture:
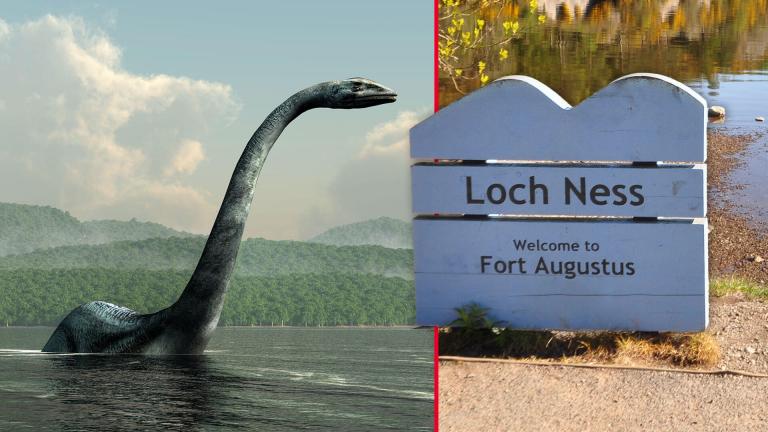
(98, 392)
(577, 47)
(250, 379)
(134, 391)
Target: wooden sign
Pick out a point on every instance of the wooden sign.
(549, 242)
(613, 275)
(640, 117)
(559, 190)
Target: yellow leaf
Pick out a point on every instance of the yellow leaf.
(459, 72)
(480, 24)
(483, 79)
(542, 18)
(503, 54)
(515, 27)
(465, 37)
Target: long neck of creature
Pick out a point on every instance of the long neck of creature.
(203, 296)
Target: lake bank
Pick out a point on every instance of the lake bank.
(736, 240)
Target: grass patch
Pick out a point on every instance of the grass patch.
(475, 335)
(725, 286)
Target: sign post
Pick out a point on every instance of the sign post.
(530, 207)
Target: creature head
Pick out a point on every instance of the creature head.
(357, 93)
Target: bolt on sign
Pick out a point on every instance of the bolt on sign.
(560, 217)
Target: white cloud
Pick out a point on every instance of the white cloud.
(82, 133)
(187, 158)
(376, 183)
(4, 29)
(391, 137)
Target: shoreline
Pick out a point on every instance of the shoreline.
(734, 243)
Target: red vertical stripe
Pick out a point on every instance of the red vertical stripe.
(436, 107)
(437, 382)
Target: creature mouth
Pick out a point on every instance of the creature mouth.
(379, 97)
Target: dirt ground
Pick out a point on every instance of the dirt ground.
(495, 396)
(741, 329)
(506, 397)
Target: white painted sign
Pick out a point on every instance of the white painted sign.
(567, 253)
(559, 190)
(640, 117)
(615, 275)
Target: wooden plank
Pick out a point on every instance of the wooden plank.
(640, 117)
(643, 276)
(559, 190)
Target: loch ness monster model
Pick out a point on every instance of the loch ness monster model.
(186, 326)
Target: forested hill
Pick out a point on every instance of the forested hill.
(44, 297)
(256, 257)
(384, 231)
(50, 262)
(25, 228)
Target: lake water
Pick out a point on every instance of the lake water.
(577, 47)
(275, 379)
(745, 96)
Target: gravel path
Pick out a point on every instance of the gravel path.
(741, 330)
(506, 397)
(488, 396)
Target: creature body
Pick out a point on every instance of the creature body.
(186, 326)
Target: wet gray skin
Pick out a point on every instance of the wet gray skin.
(186, 326)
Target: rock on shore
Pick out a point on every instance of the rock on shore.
(716, 111)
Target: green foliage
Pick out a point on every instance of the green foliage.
(384, 231)
(256, 257)
(44, 297)
(722, 287)
(473, 317)
(471, 333)
(25, 228)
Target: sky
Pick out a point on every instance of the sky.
(141, 109)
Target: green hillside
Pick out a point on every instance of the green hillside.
(256, 257)
(25, 228)
(44, 297)
(50, 262)
(384, 231)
